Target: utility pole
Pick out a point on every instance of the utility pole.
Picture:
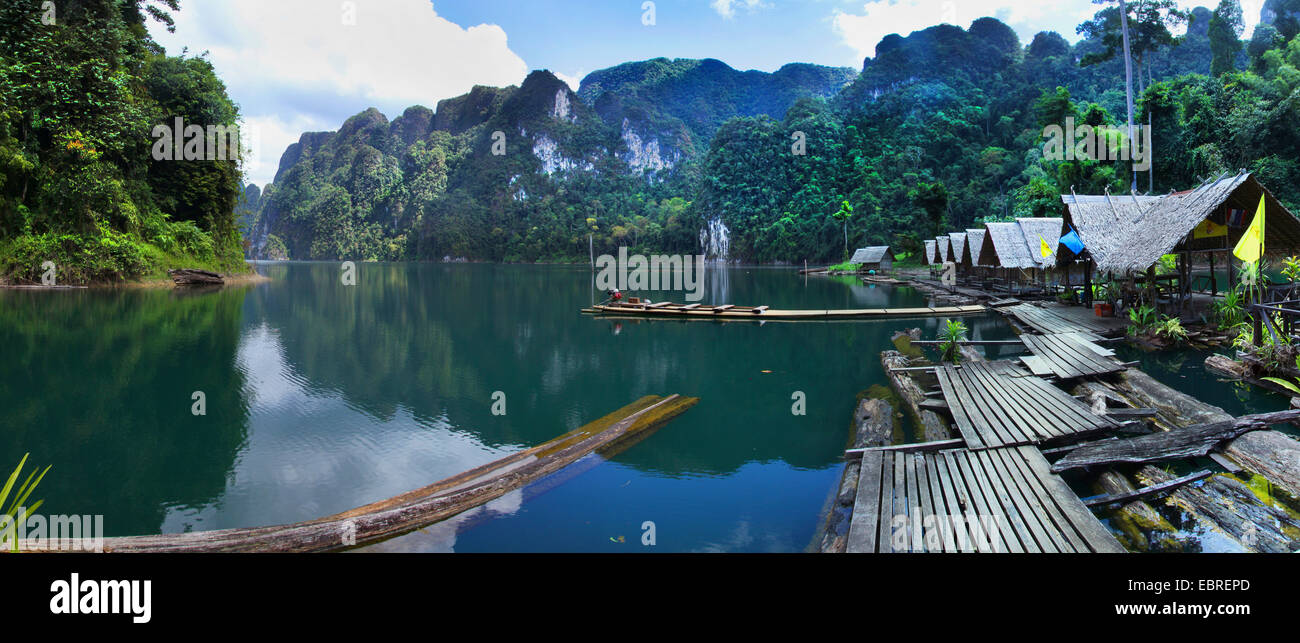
(1128, 85)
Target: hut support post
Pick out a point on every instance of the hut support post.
(1214, 279)
(1087, 283)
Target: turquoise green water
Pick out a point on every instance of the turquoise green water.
(321, 397)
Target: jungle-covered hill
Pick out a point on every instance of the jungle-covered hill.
(82, 87)
(943, 128)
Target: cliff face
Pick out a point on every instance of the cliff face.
(377, 180)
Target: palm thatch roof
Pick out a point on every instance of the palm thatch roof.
(1004, 246)
(958, 240)
(874, 254)
(1130, 233)
(975, 245)
(931, 251)
(945, 248)
(1038, 230)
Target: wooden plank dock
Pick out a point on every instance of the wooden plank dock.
(959, 500)
(1068, 356)
(995, 404)
(761, 313)
(1054, 318)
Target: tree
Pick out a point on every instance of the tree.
(1225, 37)
(843, 215)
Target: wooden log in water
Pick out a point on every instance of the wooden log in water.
(1142, 528)
(1272, 454)
(929, 426)
(1226, 505)
(192, 277)
(1193, 441)
(874, 426)
(1226, 366)
(419, 508)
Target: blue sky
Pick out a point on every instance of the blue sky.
(306, 65)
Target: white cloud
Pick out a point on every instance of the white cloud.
(727, 8)
(863, 30)
(298, 63)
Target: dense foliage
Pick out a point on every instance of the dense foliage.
(82, 86)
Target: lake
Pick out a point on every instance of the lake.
(320, 397)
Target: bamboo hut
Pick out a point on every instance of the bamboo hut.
(931, 252)
(975, 246)
(945, 248)
(1127, 236)
(879, 258)
(958, 241)
(1004, 248)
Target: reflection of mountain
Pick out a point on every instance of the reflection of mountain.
(99, 385)
(436, 341)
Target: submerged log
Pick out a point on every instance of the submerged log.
(874, 420)
(1142, 528)
(929, 426)
(1226, 366)
(191, 277)
(1190, 442)
(415, 509)
(1226, 505)
(1271, 454)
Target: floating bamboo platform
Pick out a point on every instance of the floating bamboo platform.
(421, 507)
(760, 313)
(930, 498)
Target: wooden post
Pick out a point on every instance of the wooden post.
(1214, 280)
(1087, 282)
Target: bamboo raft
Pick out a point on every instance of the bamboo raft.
(759, 313)
(421, 507)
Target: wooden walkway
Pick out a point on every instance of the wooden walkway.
(1068, 356)
(667, 310)
(995, 404)
(1052, 319)
(992, 501)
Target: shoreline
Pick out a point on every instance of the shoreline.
(250, 278)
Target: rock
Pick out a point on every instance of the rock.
(192, 277)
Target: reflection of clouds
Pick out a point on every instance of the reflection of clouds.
(742, 538)
(310, 454)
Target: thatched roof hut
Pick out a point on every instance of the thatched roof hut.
(1127, 234)
(875, 257)
(931, 251)
(958, 240)
(1039, 230)
(1004, 246)
(945, 248)
(975, 245)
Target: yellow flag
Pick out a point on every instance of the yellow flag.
(1209, 230)
(1251, 246)
(1046, 250)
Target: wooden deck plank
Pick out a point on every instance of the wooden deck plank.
(928, 516)
(1062, 526)
(975, 484)
(885, 539)
(1064, 364)
(963, 410)
(1023, 416)
(1005, 432)
(1022, 514)
(970, 509)
(1098, 537)
(864, 524)
(900, 535)
(915, 539)
(1068, 345)
(1017, 481)
(939, 505)
(960, 535)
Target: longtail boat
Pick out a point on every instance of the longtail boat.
(640, 308)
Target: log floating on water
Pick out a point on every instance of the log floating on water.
(1226, 505)
(1190, 442)
(419, 508)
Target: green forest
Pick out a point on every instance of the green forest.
(941, 129)
(82, 87)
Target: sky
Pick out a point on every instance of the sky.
(307, 65)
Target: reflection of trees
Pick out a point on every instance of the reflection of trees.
(99, 385)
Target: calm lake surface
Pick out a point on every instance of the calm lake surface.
(322, 397)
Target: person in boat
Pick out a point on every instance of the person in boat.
(615, 296)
